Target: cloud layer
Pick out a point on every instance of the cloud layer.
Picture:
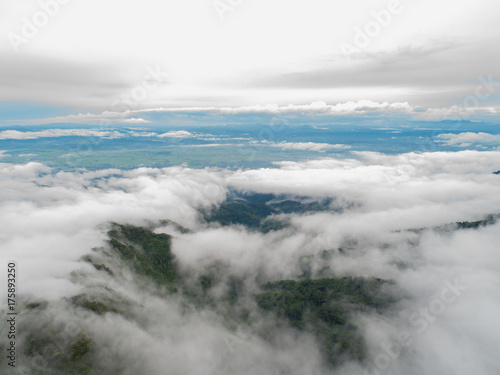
(380, 203)
(398, 58)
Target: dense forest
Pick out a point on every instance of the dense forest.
(324, 307)
(262, 211)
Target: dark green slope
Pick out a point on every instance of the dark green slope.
(148, 253)
(325, 307)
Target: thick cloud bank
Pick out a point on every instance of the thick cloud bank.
(389, 217)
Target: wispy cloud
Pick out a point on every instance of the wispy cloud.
(468, 138)
(51, 133)
(315, 107)
(133, 120)
(306, 146)
(176, 134)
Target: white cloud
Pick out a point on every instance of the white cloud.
(176, 134)
(458, 112)
(361, 106)
(468, 138)
(307, 146)
(50, 133)
(215, 145)
(133, 120)
(142, 134)
(108, 134)
(104, 117)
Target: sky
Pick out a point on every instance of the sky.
(91, 60)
